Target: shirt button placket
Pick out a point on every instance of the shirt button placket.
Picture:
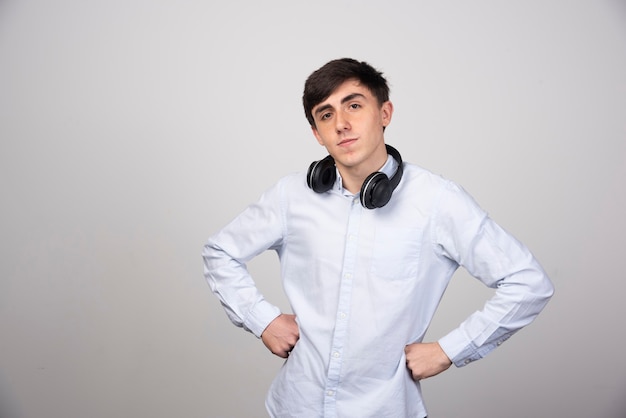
(343, 309)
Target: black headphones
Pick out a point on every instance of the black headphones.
(377, 187)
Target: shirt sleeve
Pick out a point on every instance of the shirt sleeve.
(465, 233)
(258, 228)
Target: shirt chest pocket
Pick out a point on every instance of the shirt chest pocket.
(396, 252)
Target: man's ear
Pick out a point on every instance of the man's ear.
(317, 135)
(386, 111)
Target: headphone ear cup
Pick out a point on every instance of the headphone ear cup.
(321, 175)
(376, 191)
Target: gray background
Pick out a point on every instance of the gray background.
(131, 130)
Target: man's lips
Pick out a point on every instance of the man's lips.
(346, 141)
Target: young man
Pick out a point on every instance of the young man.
(367, 246)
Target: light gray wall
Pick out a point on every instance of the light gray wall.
(131, 130)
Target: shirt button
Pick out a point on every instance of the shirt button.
(342, 315)
(336, 354)
(468, 361)
(347, 275)
(330, 393)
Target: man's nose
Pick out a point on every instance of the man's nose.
(341, 122)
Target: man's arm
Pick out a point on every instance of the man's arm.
(226, 253)
(465, 234)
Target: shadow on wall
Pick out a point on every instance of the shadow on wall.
(8, 408)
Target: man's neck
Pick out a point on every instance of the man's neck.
(352, 178)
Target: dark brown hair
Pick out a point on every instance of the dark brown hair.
(322, 82)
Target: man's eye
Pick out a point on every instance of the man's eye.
(354, 106)
(325, 116)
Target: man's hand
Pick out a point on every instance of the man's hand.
(281, 335)
(426, 359)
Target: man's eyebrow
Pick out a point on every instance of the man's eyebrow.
(346, 99)
(352, 97)
(322, 109)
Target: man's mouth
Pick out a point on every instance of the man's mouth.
(346, 142)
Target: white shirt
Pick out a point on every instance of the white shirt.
(365, 283)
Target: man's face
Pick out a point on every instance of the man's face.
(349, 123)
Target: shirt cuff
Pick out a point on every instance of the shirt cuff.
(459, 349)
(260, 316)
